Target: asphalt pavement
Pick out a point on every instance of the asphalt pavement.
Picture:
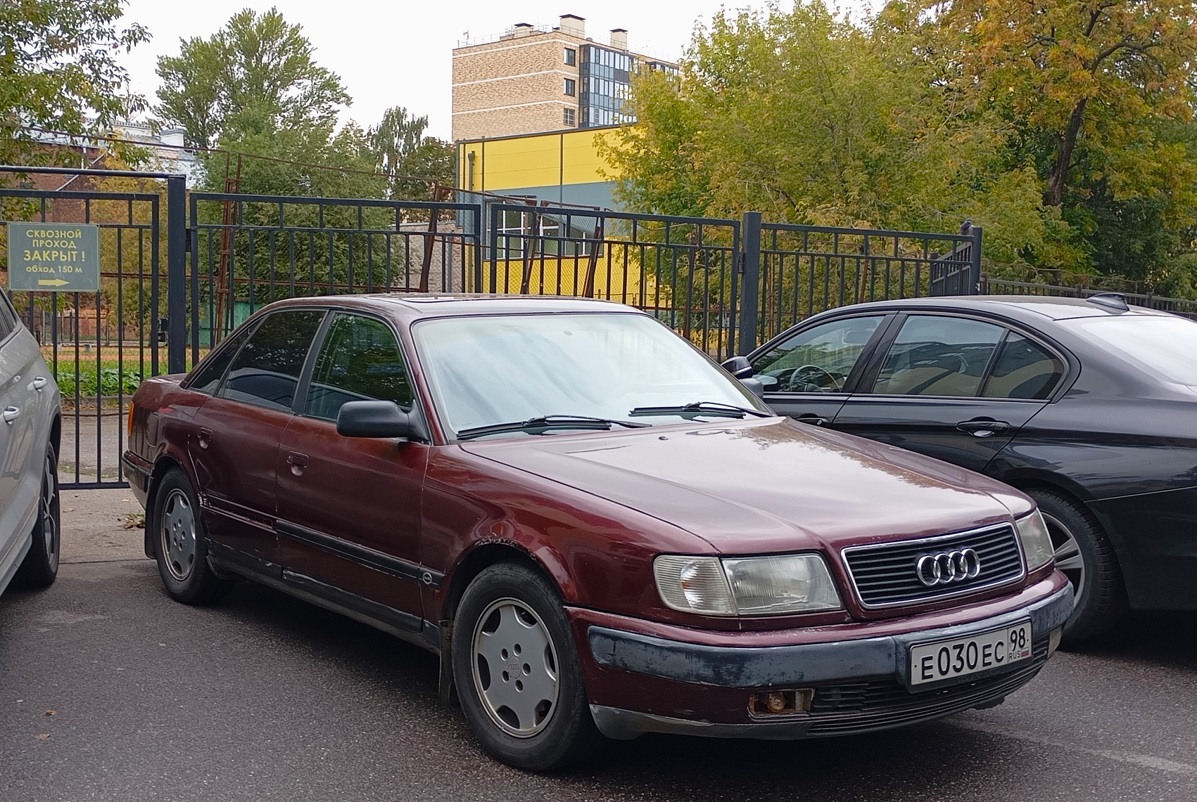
(111, 691)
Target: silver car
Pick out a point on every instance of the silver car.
(29, 439)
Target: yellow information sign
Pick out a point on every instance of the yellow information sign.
(53, 257)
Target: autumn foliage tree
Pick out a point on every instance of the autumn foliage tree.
(1062, 126)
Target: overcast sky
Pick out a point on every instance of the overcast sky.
(398, 53)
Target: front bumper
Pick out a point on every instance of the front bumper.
(858, 685)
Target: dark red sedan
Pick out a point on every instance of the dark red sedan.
(596, 528)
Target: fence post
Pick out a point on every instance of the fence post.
(750, 275)
(974, 267)
(176, 273)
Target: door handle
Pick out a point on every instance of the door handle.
(982, 427)
(297, 462)
(205, 437)
(39, 383)
(813, 420)
(10, 414)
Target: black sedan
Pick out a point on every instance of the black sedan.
(1089, 406)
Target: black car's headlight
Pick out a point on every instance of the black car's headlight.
(1036, 542)
(775, 585)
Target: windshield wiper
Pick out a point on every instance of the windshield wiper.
(544, 423)
(714, 409)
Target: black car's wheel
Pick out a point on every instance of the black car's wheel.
(180, 546)
(517, 673)
(40, 566)
(1086, 557)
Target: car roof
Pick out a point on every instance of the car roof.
(413, 305)
(1026, 307)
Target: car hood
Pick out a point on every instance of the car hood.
(766, 485)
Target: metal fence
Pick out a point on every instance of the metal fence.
(249, 250)
(1186, 307)
(179, 273)
(683, 270)
(808, 269)
(99, 345)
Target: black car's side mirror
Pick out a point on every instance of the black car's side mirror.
(373, 419)
(739, 366)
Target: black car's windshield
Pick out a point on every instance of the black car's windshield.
(1165, 346)
(496, 370)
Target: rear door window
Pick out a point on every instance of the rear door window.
(266, 370)
(938, 355)
(1023, 369)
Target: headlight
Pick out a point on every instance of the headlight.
(1036, 542)
(779, 585)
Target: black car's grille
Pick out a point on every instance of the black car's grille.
(886, 576)
(881, 703)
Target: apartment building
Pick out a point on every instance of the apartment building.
(538, 79)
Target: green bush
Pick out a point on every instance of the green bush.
(89, 382)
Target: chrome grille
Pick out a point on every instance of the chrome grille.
(885, 575)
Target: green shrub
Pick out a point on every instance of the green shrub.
(89, 382)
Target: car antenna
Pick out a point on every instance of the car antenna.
(1110, 300)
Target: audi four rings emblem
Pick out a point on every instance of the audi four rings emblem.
(947, 567)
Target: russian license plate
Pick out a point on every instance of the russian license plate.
(973, 654)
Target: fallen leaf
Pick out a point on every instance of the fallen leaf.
(45, 736)
(51, 712)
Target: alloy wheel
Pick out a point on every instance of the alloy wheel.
(1068, 556)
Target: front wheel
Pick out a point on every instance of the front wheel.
(40, 566)
(180, 546)
(1085, 556)
(517, 672)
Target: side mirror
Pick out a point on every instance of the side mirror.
(754, 386)
(739, 366)
(373, 419)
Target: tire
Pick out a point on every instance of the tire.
(40, 566)
(512, 643)
(1084, 554)
(180, 545)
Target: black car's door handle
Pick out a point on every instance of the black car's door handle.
(814, 420)
(982, 427)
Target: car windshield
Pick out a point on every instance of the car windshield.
(1166, 346)
(494, 370)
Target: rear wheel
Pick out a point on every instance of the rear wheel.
(1085, 556)
(180, 546)
(517, 672)
(40, 566)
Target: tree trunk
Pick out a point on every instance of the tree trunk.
(1058, 177)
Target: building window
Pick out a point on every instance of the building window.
(543, 235)
(571, 56)
(570, 117)
(571, 86)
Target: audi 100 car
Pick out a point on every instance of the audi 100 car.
(598, 530)
(1087, 405)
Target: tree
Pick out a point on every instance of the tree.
(257, 74)
(59, 72)
(811, 119)
(1097, 72)
(414, 164)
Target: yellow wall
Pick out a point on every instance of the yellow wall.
(535, 160)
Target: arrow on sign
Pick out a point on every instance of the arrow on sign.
(52, 282)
